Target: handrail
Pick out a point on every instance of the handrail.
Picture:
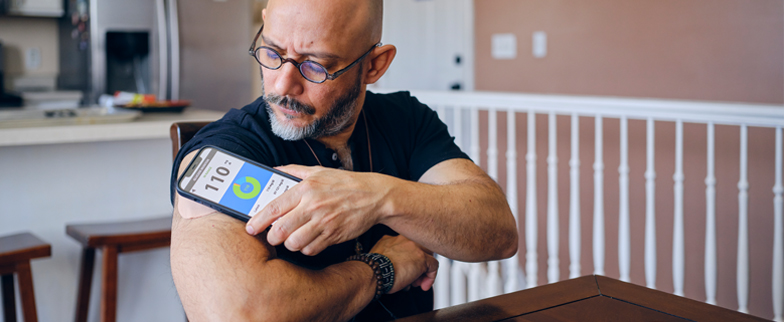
(727, 113)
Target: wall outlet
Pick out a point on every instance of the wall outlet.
(33, 58)
(504, 46)
(539, 44)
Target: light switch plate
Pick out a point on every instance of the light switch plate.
(539, 44)
(33, 58)
(504, 46)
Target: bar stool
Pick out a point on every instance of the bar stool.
(112, 239)
(16, 251)
(121, 237)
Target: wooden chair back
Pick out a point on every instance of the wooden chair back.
(182, 132)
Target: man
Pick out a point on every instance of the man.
(408, 177)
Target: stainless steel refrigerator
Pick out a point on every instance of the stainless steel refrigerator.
(176, 49)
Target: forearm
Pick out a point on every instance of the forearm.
(335, 293)
(468, 220)
(222, 273)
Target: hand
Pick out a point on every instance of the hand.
(413, 266)
(328, 207)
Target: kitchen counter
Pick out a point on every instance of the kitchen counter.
(147, 126)
(53, 176)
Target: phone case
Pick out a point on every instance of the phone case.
(216, 206)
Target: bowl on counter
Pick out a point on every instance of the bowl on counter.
(168, 106)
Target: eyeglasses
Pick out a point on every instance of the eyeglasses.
(312, 71)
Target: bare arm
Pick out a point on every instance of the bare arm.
(222, 273)
(455, 210)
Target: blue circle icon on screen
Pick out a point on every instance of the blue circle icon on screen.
(246, 187)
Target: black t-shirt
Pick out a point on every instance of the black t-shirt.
(406, 139)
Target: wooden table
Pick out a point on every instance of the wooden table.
(587, 298)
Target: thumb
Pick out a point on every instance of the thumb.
(299, 171)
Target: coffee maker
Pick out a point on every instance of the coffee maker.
(6, 99)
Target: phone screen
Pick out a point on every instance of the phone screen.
(233, 183)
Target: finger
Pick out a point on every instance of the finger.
(298, 171)
(430, 275)
(287, 225)
(274, 210)
(316, 246)
(302, 236)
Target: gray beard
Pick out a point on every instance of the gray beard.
(337, 119)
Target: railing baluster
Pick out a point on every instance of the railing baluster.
(574, 200)
(511, 267)
(650, 213)
(494, 283)
(475, 148)
(476, 279)
(493, 279)
(743, 225)
(441, 287)
(710, 222)
(458, 124)
(678, 246)
(458, 277)
(552, 201)
(778, 237)
(492, 144)
(530, 204)
(624, 239)
(598, 200)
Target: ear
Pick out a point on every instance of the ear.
(380, 60)
(263, 15)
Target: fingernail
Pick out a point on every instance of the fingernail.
(250, 230)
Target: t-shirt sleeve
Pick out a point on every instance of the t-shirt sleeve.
(432, 143)
(234, 132)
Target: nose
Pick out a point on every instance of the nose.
(288, 81)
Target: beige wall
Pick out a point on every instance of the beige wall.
(725, 50)
(20, 33)
(715, 50)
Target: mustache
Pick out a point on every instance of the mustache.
(290, 103)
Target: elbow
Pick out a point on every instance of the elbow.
(509, 244)
(232, 306)
(511, 247)
(508, 238)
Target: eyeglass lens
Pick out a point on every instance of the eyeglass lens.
(309, 69)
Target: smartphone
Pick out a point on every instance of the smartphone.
(232, 184)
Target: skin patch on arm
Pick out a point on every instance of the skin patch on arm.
(187, 208)
(190, 209)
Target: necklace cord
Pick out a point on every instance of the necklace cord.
(358, 247)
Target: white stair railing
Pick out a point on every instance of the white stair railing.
(778, 236)
(459, 282)
(678, 246)
(624, 234)
(552, 202)
(511, 266)
(743, 225)
(598, 198)
(574, 200)
(650, 211)
(531, 234)
(494, 283)
(710, 221)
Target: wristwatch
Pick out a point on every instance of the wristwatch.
(382, 267)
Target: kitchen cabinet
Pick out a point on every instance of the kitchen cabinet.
(36, 8)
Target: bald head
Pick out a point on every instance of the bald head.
(343, 23)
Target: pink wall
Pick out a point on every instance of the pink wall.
(714, 50)
(726, 50)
